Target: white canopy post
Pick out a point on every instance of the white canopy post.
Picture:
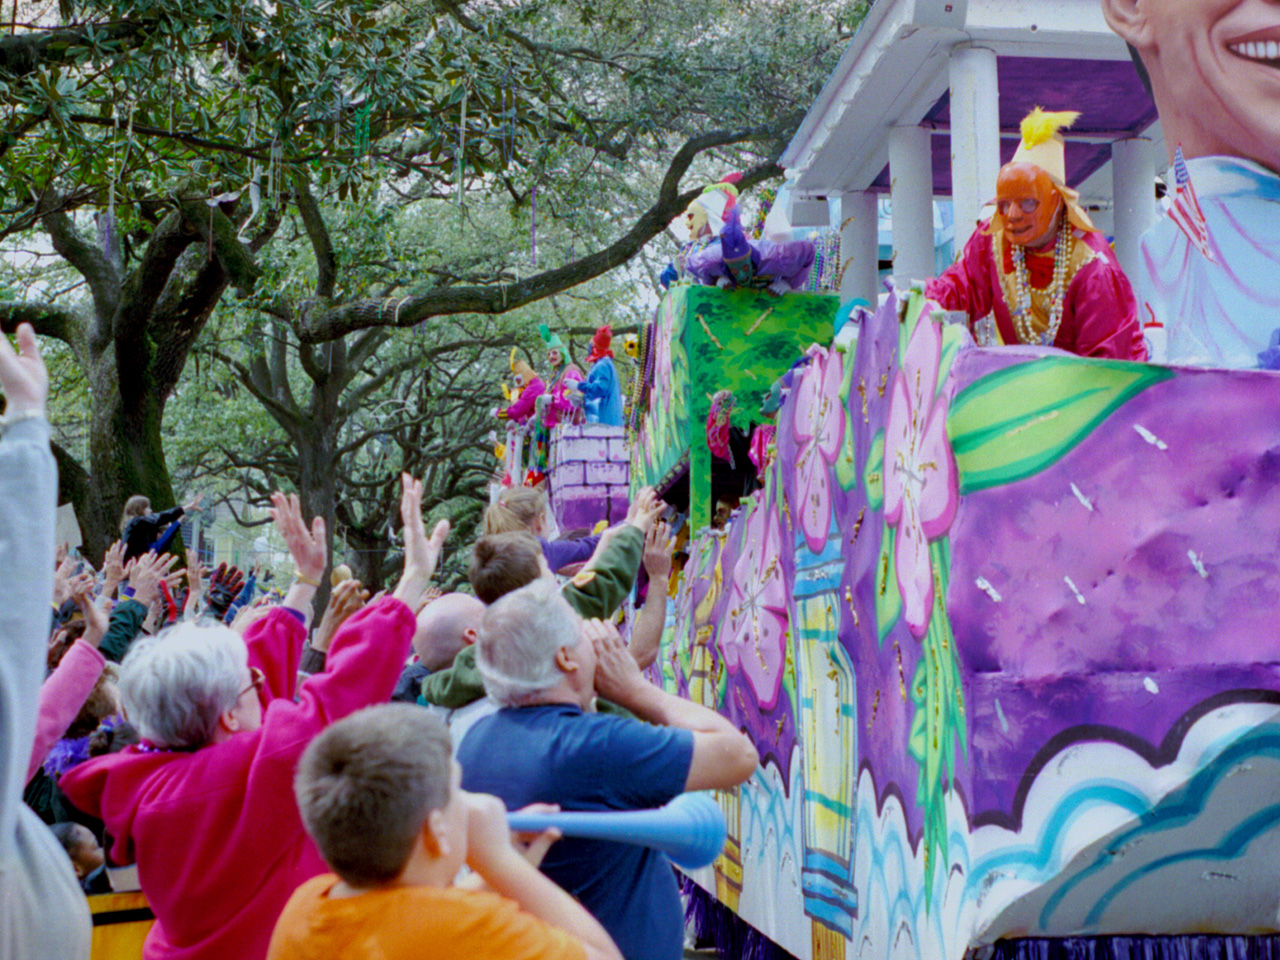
(859, 247)
(975, 135)
(911, 195)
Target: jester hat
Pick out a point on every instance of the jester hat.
(552, 340)
(521, 369)
(601, 344)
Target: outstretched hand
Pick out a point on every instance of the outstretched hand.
(658, 544)
(224, 586)
(346, 598)
(307, 546)
(645, 509)
(23, 376)
(420, 554)
(95, 621)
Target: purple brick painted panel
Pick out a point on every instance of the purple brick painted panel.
(567, 475)
(603, 472)
(585, 448)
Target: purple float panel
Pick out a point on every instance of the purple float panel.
(589, 475)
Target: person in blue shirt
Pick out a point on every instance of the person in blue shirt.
(544, 666)
(602, 391)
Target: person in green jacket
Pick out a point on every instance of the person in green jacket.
(503, 562)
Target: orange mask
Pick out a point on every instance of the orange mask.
(1028, 203)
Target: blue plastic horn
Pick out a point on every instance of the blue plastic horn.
(690, 829)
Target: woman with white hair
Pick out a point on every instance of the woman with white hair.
(204, 804)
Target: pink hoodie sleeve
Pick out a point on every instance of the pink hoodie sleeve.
(275, 646)
(62, 696)
(521, 410)
(364, 661)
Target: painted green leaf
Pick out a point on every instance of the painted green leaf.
(875, 472)
(888, 597)
(846, 464)
(1025, 418)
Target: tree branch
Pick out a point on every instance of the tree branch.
(48, 319)
(318, 234)
(88, 260)
(215, 228)
(321, 322)
(23, 53)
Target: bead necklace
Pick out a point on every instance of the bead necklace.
(1022, 319)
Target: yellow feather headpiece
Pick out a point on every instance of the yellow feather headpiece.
(1041, 126)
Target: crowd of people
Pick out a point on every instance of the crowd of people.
(253, 766)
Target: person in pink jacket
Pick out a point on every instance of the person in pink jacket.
(204, 805)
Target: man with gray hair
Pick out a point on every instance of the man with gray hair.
(544, 666)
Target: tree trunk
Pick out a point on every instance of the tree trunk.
(369, 557)
(317, 487)
(126, 456)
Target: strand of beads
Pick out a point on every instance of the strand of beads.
(1022, 319)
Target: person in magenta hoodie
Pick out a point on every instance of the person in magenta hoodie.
(204, 805)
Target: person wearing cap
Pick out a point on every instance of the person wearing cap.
(601, 390)
(1210, 263)
(1038, 267)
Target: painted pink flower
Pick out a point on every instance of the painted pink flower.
(920, 489)
(818, 427)
(753, 639)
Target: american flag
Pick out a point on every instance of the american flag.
(1186, 212)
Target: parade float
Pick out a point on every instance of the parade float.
(1000, 620)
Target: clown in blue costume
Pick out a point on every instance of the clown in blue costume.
(601, 391)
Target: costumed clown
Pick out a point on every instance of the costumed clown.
(1039, 267)
(729, 258)
(601, 391)
(518, 413)
(555, 406)
(697, 221)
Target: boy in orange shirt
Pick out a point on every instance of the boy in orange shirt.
(380, 796)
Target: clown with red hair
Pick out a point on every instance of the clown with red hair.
(1039, 268)
(601, 391)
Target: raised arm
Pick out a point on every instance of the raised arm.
(69, 686)
(723, 756)
(28, 491)
(652, 618)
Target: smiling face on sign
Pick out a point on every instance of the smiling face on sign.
(1029, 204)
(1215, 72)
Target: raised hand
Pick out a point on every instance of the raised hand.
(23, 376)
(224, 587)
(346, 598)
(645, 509)
(658, 544)
(95, 621)
(113, 568)
(420, 554)
(62, 580)
(195, 584)
(145, 574)
(307, 545)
